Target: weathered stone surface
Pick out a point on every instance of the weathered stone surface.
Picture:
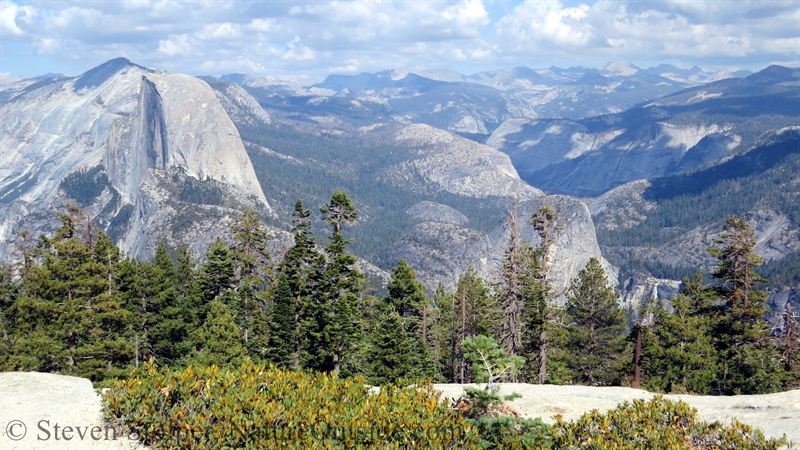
(459, 165)
(436, 212)
(131, 119)
(566, 156)
(41, 401)
(775, 414)
(442, 251)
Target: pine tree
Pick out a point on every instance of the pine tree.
(219, 340)
(510, 292)
(283, 336)
(188, 287)
(342, 286)
(303, 268)
(253, 274)
(8, 293)
(71, 318)
(677, 351)
(490, 363)
(472, 315)
(789, 345)
(597, 333)
(406, 294)
(407, 297)
(391, 356)
(441, 334)
(217, 274)
(748, 357)
(168, 331)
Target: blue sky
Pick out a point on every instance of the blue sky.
(304, 41)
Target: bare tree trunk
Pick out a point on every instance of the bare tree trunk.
(425, 325)
(463, 336)
(637, 356)
(542, 356)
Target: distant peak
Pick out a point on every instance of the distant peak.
(620, 68)
(774, 74)
(101, 73)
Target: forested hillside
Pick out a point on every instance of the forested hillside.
(76, 305)
(763, 179)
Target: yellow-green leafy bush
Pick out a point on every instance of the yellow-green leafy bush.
(267, 408)
(658, 424)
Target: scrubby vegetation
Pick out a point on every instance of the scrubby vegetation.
(252, 406)
(658, 424)
(256, 407)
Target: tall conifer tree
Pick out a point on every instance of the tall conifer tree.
(303, 268)
(544, 318)
(283, 325)
(342, 287)
(473, 315)
(407, 297)
(748, 357)
(391, 356)
(70, 318)
(219, 340)
(597, 332)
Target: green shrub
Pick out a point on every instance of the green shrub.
(656, 424)
(260, 408)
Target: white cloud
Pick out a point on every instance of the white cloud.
(297, 51)
(647, 30)
(786, 45)
(261, 25)
(175, 45)
(11, 14)
(215, 31)
(47, 46)
(305, 38)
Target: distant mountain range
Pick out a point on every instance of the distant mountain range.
(476, 105)
(432, 159)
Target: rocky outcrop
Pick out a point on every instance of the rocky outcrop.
(639, 288)
(240, 105)
(458, 165)
(440, 252)
(129, 120)
(572, 157)
(436, 212)
(34, 404)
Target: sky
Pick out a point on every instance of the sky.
(304, 41)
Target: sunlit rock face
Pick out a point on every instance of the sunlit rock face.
(135, 123)
(441, 249)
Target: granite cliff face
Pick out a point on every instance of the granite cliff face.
(139, 126)
(441, 250)
(569, 157)
(458, 165)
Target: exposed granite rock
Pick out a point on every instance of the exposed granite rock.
(639, 288)
(459, 165)
(567, 156)
(237, 102)
(131, 120)
(436, 212)
(39, 401)
(442, 251)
